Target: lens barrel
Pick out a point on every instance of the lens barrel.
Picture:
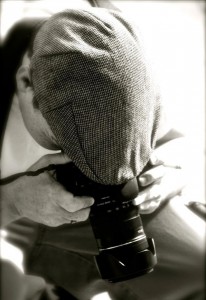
(124, 250)
(126, 262)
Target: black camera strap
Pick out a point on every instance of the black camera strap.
(13, 177)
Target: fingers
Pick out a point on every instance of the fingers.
(78, 216)
(49, 159)
(149, 207)
(151, 175)
(151, 193)
(64, 217)
(69, 208)
(73, 204)
(44, 200)
(149, 199)
(69, 212)
(162, 189)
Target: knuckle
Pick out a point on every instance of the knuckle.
(72, 207)
(65, 201)
(88, 201)
(76, 204)
(152, 175)
(85, 214)
(51, 223)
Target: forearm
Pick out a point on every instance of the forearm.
(9, 193)
(38, 197)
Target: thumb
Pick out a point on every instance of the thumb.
(155, 160)
(50, 159)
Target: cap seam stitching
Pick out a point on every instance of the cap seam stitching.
(93, 173)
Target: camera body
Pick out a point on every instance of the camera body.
(124, 250)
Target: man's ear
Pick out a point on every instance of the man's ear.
(23, 79)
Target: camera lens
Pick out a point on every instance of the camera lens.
(124, 249)
(115, 223)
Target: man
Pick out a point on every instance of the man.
(85, 88)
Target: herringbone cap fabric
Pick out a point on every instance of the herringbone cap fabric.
(94, 87)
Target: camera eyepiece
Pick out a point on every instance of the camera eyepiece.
(124, 250)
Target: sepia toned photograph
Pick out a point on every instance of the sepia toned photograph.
(102, 150)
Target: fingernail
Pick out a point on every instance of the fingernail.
(138, 200)
(91, 200)
(144, 206)
(143, 180)
(88, 199)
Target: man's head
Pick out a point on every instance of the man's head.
(92, 89)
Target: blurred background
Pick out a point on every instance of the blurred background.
(174, 37)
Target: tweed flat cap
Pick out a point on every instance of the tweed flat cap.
(94, 87)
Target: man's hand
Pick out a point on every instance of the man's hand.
(42, 199)
(163, 181)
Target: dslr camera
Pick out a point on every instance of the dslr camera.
(125, 251)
